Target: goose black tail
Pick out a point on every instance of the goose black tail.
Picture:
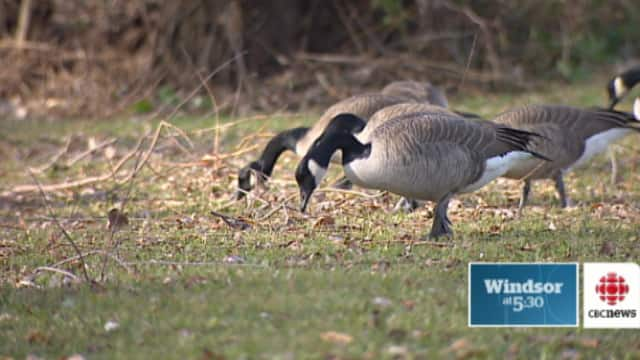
(521, 140)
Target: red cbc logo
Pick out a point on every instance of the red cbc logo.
(612, 288)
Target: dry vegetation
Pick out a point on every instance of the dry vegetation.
(120, 238)
(73, 57)
(181, 264)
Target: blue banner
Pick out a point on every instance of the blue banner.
(523, 294)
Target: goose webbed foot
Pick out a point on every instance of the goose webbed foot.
(406, 205)
(441, 224)
(343, 183)
(440, 227)
(524, 196)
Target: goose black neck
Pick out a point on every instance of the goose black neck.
(631, 77)
(351, 148)
(285, 140)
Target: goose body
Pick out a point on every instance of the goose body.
(299, 140)
(426, 156)
(391, 112)
(423, 92)
(570, 137)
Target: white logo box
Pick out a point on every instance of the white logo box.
(611, 295)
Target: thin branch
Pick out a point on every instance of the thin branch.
(55, 158)
(55, 270)
(90, 151)
(197, 263)
(23, 23)
(466, 69)
(64, 231)
(21, 189)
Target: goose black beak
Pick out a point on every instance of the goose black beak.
(239, 195)
(304, 200)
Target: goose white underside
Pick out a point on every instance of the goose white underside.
(497, 166)
(419, 183)
(599, 143)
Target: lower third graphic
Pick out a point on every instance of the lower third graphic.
(523, 294)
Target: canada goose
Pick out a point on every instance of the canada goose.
(618, 88)
(423, 92)
(621, 84)
(426, 156)
(385, 114)
(570, 136)
(300, 139)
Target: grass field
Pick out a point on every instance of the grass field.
(350, 279)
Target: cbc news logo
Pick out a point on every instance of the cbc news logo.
(546, 294)
(612, 288)
(611, 293)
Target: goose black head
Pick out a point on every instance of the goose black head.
(309, 175)
(617, 90)
(245, 179)
(344, 123)
(620, 85)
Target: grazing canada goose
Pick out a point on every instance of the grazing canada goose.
(393, 111)
(570, 136)
(423, 92)
(424, 156)
(620, 85)
(300, 139)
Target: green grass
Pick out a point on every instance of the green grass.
(348, 280)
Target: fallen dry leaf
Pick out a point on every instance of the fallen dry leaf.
(336, 337)
(117, 219)
(409, 304)
(463, 349)
(324, 221)
(110, 152)
(591, 343)
(608, 248)
(76, 357)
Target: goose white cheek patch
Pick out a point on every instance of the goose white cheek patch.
(619, 87)
(636, 109)
(317, 171)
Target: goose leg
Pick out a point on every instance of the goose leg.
(342, 183)
(524, 195)
(441, 223)
(406, 205)
(564, 200)
(614, 166)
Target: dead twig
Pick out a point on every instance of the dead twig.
(196, 263)
(90, 151)
(232, 222)
(64, 231)
(23, 23)
(21, 189)
(282, 205)
(55, 158)
(55, 270)
(118, 214)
